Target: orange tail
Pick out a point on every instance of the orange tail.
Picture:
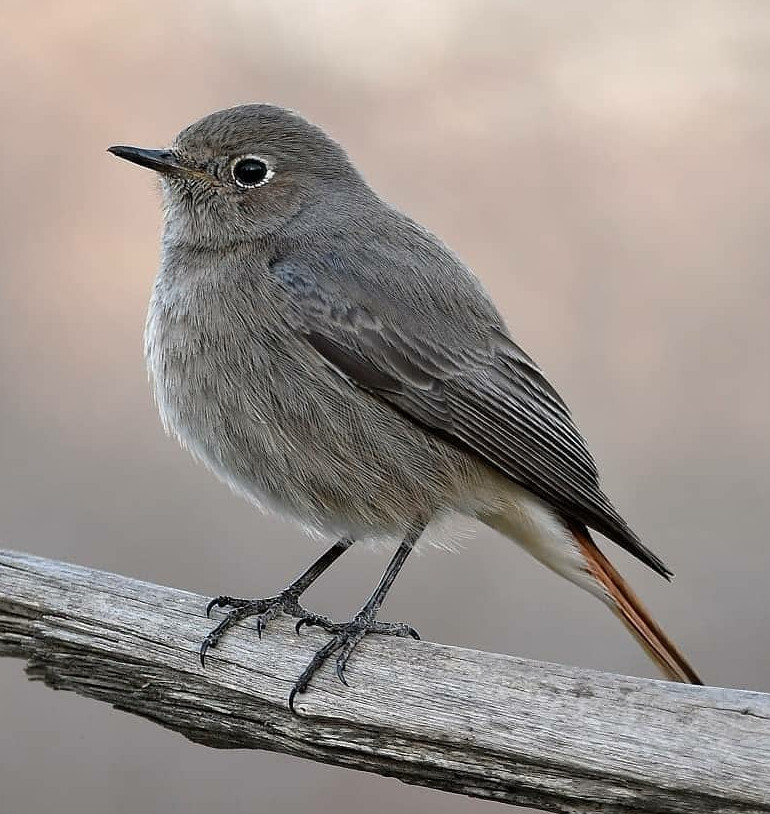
(633, 614)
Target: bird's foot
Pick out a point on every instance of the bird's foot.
(264, 609)
(345, 638)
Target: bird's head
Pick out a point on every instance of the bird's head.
(244, 173)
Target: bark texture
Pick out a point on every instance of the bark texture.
(487, 725)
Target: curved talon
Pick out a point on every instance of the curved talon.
(313, 620)
(414, 634)
(204, 649)
(340, 670)
(295, 691)
(210, 607)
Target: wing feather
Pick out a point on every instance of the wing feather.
(483, 393)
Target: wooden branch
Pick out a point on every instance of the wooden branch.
(481, 724)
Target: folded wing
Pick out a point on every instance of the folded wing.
(482, 393)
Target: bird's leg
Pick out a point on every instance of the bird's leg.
(348, 634)
(266, 609)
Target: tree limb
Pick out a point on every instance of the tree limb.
(487, 725)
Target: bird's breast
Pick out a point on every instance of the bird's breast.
(211, 365)
(258, 405)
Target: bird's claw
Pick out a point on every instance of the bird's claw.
(400, 629)
(314, 620)
(345, 635)
(225, 601)
(263, 609)
(345, 638)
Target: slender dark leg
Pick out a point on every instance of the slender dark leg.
(348, 634)
(266, 609)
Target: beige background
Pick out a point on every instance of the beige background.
(603, 166)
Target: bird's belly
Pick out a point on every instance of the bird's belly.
(231, 428)
(308, 444)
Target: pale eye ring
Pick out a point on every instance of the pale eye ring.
(251, 171)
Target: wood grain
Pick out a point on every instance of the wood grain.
(483, 724)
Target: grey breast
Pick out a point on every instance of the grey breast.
(259, 406)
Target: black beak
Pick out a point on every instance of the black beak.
(163, 161)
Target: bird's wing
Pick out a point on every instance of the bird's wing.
(480, 392)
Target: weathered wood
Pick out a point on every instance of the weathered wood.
(482, 724)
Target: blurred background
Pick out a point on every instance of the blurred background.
(603, 166)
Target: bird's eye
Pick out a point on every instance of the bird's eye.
(250, 171)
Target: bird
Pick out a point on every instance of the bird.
(334, 362)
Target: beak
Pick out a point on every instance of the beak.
(163, 161)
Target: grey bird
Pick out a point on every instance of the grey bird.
(333, 361)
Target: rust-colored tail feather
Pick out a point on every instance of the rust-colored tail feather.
(633, 614)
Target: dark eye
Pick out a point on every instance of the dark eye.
(250, 171)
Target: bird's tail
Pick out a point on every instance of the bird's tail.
(629, 609)
(566, 547)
